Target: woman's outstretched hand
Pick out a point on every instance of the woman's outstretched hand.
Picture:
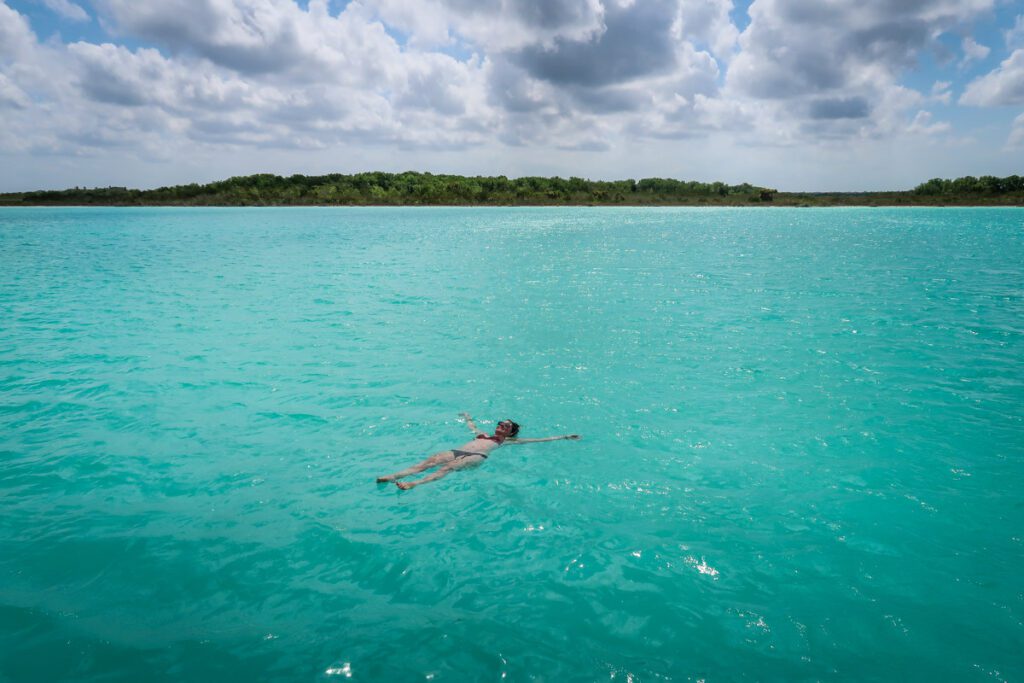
(574, 437)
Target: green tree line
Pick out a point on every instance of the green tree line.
(411, 188)
(408, 188)
(969, 185)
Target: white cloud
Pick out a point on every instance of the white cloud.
(257, 37)
(543, 81)
(11, 95)
(973, 51)
(497, 25)
(67, 9)
(16, 37)
(270, 73)
(1017, 132)
(833, 71)
(1002, 86)
(922, 124)
(941, 91)
(707, 22)
(1014, 36)
(426, 22)
(345, 82)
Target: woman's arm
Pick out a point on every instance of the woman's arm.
(572, 437)
(470, 423)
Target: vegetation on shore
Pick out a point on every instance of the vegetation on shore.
(412, 189)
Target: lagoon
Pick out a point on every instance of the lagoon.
(802, 454)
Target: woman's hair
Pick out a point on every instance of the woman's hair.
(513, 427)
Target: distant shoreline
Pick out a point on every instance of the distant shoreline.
(412, 189)
(777, 205)
(780, 203)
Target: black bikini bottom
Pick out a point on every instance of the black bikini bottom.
(466, 454)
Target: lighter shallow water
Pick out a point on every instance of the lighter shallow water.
(803, 447)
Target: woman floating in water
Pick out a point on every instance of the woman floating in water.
(469, 455)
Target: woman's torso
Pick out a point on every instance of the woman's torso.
(480, 444)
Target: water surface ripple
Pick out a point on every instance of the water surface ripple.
(803, 444)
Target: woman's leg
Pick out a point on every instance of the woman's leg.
(433, 461)
(455, 464)
(406, 485)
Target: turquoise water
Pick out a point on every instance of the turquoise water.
(803, 449)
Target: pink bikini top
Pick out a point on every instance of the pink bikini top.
(489, 438)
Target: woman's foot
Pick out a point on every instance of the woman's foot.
(404, 485)
(384, 480)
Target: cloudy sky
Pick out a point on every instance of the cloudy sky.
(794, 94)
